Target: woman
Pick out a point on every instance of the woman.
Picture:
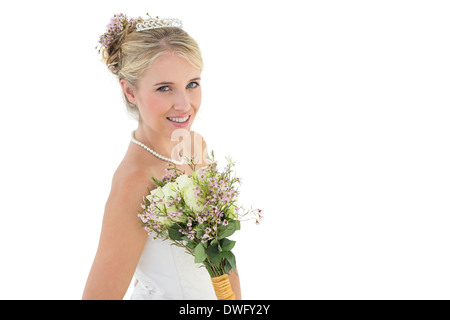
(158, 66)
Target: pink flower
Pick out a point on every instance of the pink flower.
(115, 25)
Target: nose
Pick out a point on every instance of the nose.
(181, 102)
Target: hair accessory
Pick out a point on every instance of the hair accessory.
(120, 20)
(154, 23)
(117, 24)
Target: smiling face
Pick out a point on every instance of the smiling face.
(168, 94)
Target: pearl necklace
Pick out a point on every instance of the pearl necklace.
(133, 139)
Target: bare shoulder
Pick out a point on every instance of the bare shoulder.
(129, 180)
(128, 187)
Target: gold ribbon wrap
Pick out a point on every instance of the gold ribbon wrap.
(222, 288)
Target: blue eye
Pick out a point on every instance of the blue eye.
(163, 89)
(192, 85)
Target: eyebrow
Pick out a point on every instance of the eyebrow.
(166, 82)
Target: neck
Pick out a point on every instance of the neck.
(169, 147)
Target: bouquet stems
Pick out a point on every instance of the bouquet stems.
(222, 287)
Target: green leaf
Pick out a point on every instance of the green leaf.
(227, 245)
(212, 250)
(230, 258)
(190, 245)
(200, 231)
(200, 253)
(215, 260)
(158, 183)
(174, 234)
(238, 225)
(227, 267)
(226, 231)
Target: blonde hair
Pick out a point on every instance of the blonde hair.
(132, 52)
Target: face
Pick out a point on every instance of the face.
(168, 94)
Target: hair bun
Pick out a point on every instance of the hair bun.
(111, 41)
(112, 55)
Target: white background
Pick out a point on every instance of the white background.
(336, 112)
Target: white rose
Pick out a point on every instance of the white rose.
(187, 186)
(170, 190)
(156, 193)
(184, 181)
(163, 194)
(231, 213)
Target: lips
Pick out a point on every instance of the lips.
(178, 121)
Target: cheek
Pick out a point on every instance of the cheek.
(153, 105)
(196, 99)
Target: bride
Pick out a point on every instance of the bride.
(159, 68)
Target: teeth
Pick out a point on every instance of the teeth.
(179, 119)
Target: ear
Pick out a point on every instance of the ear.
(128, 91)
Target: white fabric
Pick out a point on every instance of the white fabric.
(168, 272)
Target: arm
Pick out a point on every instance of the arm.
(235, 284)
(121, 241)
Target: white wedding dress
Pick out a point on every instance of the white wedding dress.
(168, 272)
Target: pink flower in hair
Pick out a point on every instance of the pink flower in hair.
(116, 25)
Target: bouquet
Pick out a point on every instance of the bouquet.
(198, 213)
